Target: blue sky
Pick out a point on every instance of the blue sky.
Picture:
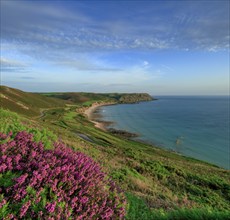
(159, 47)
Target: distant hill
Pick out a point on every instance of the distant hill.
(31, 104)
(78, 97)
(26, 103)
(81, 97)
(134, 98)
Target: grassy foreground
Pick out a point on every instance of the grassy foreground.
(159, 184)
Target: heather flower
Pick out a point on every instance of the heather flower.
(3, 168)
(60, 183)
(21, 179)
(50, 207)
(3, 136)
(84, 200)
(40, 214)
(24, 209)
(10, 217)
(2, 203)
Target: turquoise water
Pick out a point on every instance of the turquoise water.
(193, 126)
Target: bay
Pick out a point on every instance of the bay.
(193, 126)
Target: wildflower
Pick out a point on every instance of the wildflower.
(21, 179)
(84, 200)
(72, 183)
(50, 207)
(2, 203)
(24, 209)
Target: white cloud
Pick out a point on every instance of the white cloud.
(55, 34)
(145, 63)
(62, 30)
(9, 65)
(82, 63)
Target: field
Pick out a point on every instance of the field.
(158, 184)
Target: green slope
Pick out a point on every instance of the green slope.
(81, 97)
(31, 104)
(25, 103)
(159, 184)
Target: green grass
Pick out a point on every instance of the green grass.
(88, 103)
(138, 209)
(159, 184)
(25, 103)
(11, 122)
(164, 179)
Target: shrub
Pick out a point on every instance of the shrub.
(53, 184)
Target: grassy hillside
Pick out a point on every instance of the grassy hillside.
(78, 97)
(32, 104)
(81, 97)
(26, 103)
(158, 184)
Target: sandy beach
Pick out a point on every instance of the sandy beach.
(89, 113)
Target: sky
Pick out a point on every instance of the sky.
(159, 47)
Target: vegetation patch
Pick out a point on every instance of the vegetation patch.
(138, 209)
(58, 184)
(13, 123)
(159, 184)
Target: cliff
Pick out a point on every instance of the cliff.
(135, 98)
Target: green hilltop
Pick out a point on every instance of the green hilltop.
(31, 104)
(81, 97)
(26, 103)
(158, 184)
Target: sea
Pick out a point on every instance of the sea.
(197, 127)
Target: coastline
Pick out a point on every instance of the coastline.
(103, 125)
(91, 110)
(176, 146)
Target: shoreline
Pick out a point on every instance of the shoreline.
(103, 125)
(91, 110)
